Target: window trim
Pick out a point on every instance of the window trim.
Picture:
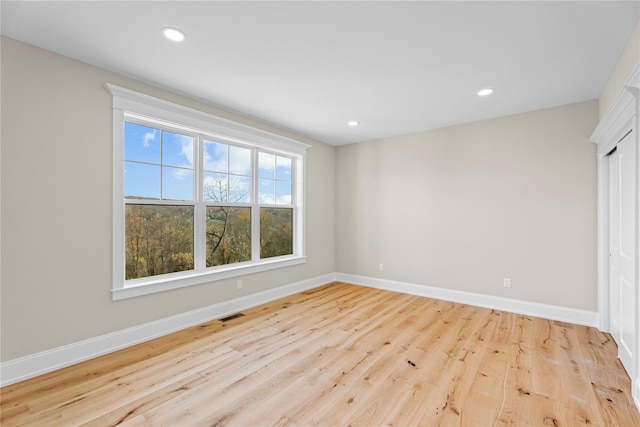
(127, 103)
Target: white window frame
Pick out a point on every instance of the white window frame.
(131, 104)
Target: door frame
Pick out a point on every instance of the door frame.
(621, 118)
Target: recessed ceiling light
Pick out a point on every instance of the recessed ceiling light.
(353, 123)
(485, 92)
(173, 34)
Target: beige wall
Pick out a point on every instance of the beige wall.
(463, 207)
(625, 65)
(56, 208)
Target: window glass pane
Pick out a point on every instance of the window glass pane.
(141, 180)
(266, 192)
(216, 157)
(239, 189)
(283, 193)
(160, 162)
(276, 232)
(177, 183)
(228, 235)
(266, 165)
(158, 240)
(141, 143)
(215, 187)
(239, 161)
(283, 169)
(177, 149)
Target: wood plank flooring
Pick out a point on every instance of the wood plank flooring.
(344, 355)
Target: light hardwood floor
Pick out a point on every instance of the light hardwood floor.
(344, 355)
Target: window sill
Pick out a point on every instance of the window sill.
(180, 280)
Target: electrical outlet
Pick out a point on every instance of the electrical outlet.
(507, 282)
(381, 267)
(239, 284)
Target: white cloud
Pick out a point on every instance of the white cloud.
(239, 160)
(267, 199)
(266, 162)
(217, 162)
(186, 148)
(284, 163)
(284, 200)
(181, 174)
(149, 137)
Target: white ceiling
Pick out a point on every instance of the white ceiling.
(397, 67)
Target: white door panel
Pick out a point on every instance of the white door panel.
(614, 246)
(623, 293)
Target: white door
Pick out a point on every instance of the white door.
(622, 249)
(614, 246)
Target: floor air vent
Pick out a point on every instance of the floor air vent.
(233, 316)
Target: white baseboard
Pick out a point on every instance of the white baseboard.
(546, 311)
(36, 364)
(47, 361)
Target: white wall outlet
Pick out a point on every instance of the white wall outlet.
(381, 267)
(507, 282)
(239, 284)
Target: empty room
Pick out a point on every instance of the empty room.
(332, 213)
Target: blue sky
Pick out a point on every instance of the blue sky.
(159, 164)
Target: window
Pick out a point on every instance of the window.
(198, 198)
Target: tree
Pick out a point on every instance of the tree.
(158, 239)
(228, 232)
(276, 232)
